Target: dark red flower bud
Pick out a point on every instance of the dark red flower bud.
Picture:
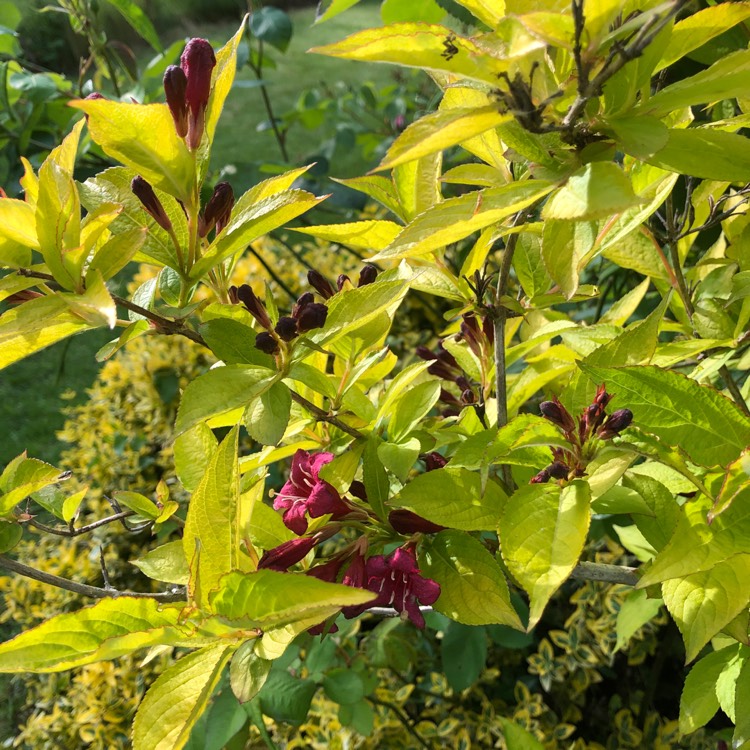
(445, 356)
(342, 279)
(541, 478)
(441, 370)
(175, 87)
(266, 343)
(434, 460)
(468, 397)
(18, 298)
(306, 299)
(218, 209)
(424, 353)
(320, 283)
(246, 295)
(328, 571)
(286, 328)
(558, 470)
(448, 398)
(616, 423)
(367, 275)
(488, 329)
(358, 490)
(146, 195)
(197, 62)
(312, 316)
(463, 382)
(406, 522)
(95, 95)
(557, 414)
(287, 554)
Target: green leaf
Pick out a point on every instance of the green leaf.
(254, 221)
(564, 245)
(457, 218)
(635, 611)
(488, 12)
(269, 599)
(332, 8)
(17, 222)
(710, 154)
(700, 27)
(699, 702)
(29, 476)
(742, 707)
(440, 130)
(106, 630)
(703, 603)
(165, 563)
(267, 417)
(211, 538)
(272, 26)
(473, 589)
(426, 11)
(248, 672)
(138, 503)
(372, 234)
(454, 497)
(517, 738)
(344, 686)
(192, 452)
(138, 20)
(286, 698)
(707, 426)
(375, 478)
(726, 79)
(596, 191)
(142, 137)
(463, 652)
(180, 694)
(418, 45)
(399, 457)
(378, 188)
(417, 185)
(266, 528)
(233, 342)
(10, 535)
(413, 408)
(220, 390)
(542, 533)
(222, 79)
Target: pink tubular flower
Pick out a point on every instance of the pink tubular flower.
(287, 554)
(398, 584)
(305, 493)
(197, 62)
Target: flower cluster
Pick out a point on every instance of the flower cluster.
(395, 578)
(592, 424)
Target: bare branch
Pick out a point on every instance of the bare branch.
(70, 531)
(324, 416)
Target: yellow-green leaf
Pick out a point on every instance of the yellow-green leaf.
(542, 533)
(176, 700)
(106, 630)
(142, 137)
(211, 539)
(222, 78)
(165, 563)
(456, 218)
(372, 234)
(17, 222)
(440, 130)
(487, 11)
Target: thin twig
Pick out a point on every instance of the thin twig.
(324, 416)
(70, 532)
(588, 571)
(403, 718)
(93, 592)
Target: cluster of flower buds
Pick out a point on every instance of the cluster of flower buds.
(325, 289)
(306, 315)
(218, 209)
(592, 423)
(188, 87)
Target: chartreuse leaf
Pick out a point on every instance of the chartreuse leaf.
(710, 154)
(265, 527)
(703, 603)
(248, 672)
(700, 27)
(635, 611)
(116, 253)
(267, 417)
(378, 188)
(542, 533)
(138, 20)
(517, 738)
(106, 630)
(473, 589)
(27, 477)
(372, 234)
(222, 78)
(564, 245)
(417, 184)
(742, 707)
(440, 130)
(596, 191)
(174, 702)
(487, 11)
(220, 390)
(165, 563)
(211, 538)
(138, 503)
(256, 220)
(17, 222)
(34, 325)
(10, 535)
(707, 426)
(142, 137)
(419, 45)
(192, 452)
(454, 497)
(332, 8)
(457, 218)
(699, 701)
(269, 599)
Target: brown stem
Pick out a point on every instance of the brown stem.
(324, 416)
(403, 718)
(71, 532)
(93, 592)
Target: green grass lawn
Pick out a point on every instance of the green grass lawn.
(30, 390)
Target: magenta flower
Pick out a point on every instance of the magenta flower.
(197, 62)
(306, 494)
(398, 584)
